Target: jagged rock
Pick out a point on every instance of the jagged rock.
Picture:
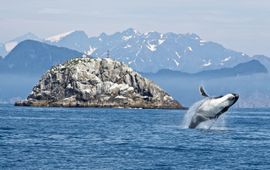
(86, 82)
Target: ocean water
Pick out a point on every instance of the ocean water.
(88, 138)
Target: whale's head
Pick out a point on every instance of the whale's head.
(227, 100)
(216, 106)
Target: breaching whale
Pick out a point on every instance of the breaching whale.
(212, 107)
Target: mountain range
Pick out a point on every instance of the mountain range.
(144, 52)
(153, 51)
(36, 57)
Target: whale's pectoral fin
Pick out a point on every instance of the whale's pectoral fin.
(202, 91)
(197, 120)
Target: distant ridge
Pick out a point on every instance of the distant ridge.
(242, 69)
(13, 43)
(35, 57)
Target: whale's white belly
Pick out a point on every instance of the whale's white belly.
(209, 109)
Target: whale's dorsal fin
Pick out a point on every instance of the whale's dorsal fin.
(203, 92)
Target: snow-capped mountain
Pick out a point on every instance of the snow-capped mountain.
(13, 43)
(153, 51)
(76, 40)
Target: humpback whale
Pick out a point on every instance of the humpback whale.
(212, 107)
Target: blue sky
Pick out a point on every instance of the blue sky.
(242, 25)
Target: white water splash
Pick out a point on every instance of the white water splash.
(218, 124)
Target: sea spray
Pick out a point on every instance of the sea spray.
(218, 124)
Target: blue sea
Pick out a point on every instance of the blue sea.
(90, 138)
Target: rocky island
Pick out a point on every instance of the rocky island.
(95, 82)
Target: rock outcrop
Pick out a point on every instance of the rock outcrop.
(86, 82)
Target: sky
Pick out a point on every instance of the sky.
(241, 25)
